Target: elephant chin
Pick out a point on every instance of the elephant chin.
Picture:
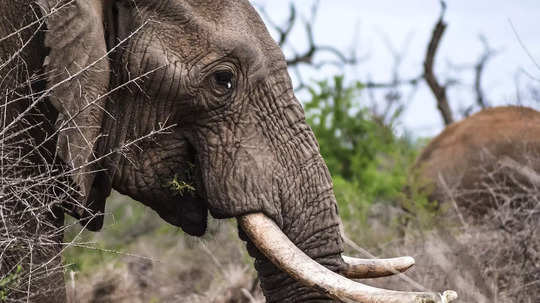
(193, 216)
(190, 214)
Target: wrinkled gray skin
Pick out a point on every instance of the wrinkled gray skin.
(211, 69)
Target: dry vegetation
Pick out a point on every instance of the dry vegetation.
(167, 266)
(30, 187)
(493, 258)
(490, 258)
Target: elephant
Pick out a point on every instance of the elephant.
(483, 174)
(496, 143)
(137, 95)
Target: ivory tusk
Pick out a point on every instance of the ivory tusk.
(275, 245)
(375, 268)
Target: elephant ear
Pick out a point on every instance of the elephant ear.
(78, 74)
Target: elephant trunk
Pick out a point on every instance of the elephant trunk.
(280, 263)
(308, 217)
(299, 259)
(282, 282)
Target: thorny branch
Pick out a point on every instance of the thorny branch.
(31, 186)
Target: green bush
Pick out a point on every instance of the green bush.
(8, 282)
(368, 162)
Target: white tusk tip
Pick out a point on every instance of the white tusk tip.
(449, 296)
(409, 261)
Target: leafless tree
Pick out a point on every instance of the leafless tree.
(394, 99)
(310, 55)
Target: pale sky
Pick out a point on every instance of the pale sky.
(365, 24)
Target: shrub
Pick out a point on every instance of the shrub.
(364, 155)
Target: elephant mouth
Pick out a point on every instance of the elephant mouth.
(180, 200)
(275, 245)
(181, 197)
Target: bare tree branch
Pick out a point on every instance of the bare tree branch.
(525, 49)
(438, 90)
(308, 56)
(478, 72)
(393, 102)
(397, 82)
(284, 30)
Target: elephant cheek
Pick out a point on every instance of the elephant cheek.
(243, 184)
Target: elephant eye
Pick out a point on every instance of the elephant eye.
(224, 79)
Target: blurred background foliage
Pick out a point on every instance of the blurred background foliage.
(369, 163)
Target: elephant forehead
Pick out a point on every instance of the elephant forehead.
(224, 27)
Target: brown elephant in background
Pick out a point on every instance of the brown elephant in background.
(495, 143)
(208, 76)
(483, 173)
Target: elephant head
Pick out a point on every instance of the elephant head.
(187, 107)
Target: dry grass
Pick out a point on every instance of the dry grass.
(494, 257)
(165, 265)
